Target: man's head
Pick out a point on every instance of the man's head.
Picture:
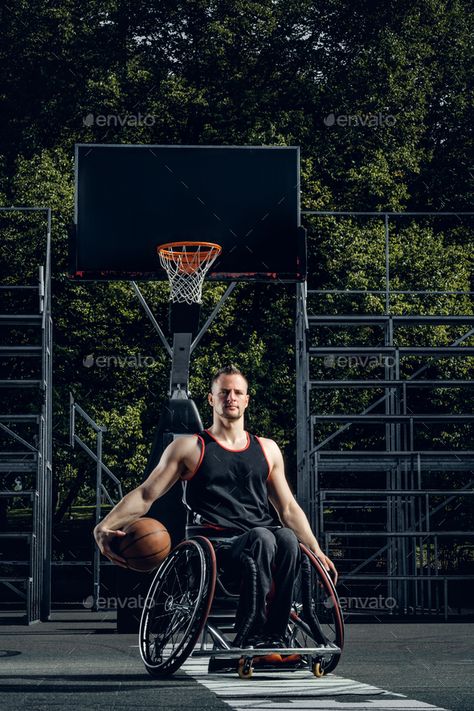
(228, 396)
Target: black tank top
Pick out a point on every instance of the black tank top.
(228, 488)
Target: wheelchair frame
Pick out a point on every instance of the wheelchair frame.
(181, 607)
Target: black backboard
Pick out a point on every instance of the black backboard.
(131, 198)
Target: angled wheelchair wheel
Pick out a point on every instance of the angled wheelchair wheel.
(316, 618)
(177, 606)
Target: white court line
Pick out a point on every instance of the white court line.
(292, 691)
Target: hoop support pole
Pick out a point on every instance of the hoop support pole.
(214, 313)
(179, 379)
(155, 323)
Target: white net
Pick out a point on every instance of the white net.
(186, 264)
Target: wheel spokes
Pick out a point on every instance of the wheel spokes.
(174, 602)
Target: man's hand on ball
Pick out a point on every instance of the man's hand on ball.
(105, 539)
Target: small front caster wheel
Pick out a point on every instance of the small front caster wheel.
(245, 669)
(317, 669)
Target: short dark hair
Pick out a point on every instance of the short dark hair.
(229, 369)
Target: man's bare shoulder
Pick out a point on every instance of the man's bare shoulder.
(185, 444)
(270, 447)
(186, 450)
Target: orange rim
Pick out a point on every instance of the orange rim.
(170, 251)
(192, 260)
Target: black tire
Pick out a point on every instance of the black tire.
(177, 606)
(317, 619)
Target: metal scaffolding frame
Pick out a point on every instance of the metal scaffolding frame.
(384, 533)
(404, 539)
(31, 461)
(101, 492)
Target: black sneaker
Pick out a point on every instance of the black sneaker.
(251, 640)
(271, 642)
(275, 641)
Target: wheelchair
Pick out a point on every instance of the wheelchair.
(190, 610)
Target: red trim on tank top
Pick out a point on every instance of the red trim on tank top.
(188, 477)
(265, 455)
(227, 448)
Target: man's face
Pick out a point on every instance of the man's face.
(229, 396)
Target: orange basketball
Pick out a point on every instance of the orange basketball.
(146, 544)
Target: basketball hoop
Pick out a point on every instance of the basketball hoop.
(186, 264)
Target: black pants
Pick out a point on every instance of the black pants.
(276, 553)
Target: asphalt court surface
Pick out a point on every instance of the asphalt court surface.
(78, 661)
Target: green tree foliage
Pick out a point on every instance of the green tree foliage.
(376, 95)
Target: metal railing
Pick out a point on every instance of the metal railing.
(100, 489)
(38, 583)
(394, 456)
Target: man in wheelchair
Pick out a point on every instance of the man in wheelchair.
(230, 477)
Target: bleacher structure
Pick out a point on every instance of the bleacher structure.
(393, 513)
(26, 424)
(103, 477)
(28, 558)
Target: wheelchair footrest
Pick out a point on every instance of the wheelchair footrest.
(328, 650)
(288, 664)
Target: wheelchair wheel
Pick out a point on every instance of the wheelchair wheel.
(177, 606)
(316, 616)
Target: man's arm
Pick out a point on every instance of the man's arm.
(138, 501)
(290, 512)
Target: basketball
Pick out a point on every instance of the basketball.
(146, 544)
